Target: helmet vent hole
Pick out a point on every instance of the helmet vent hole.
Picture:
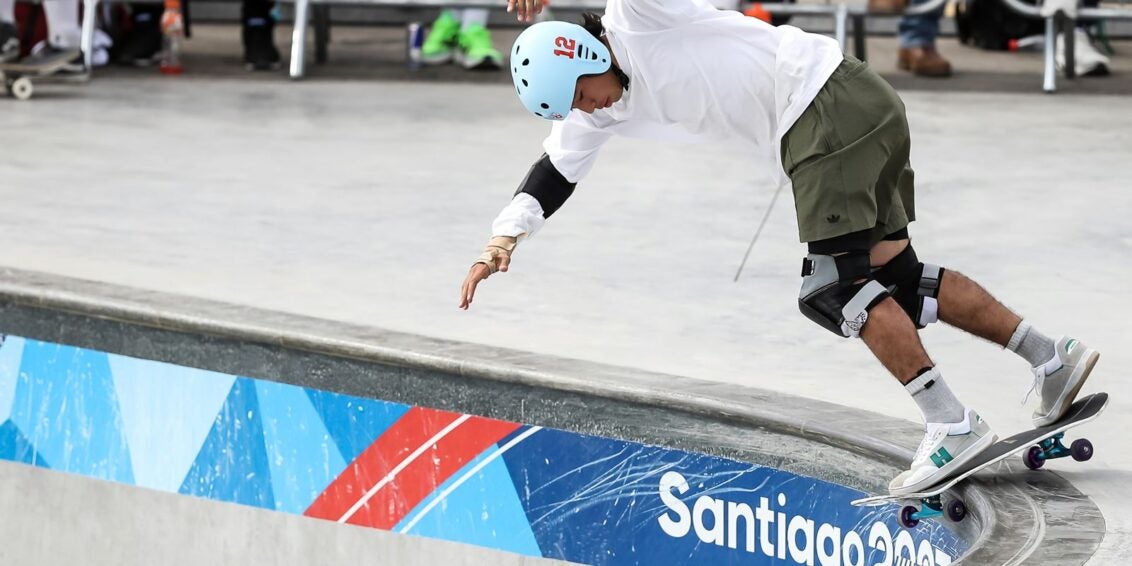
(545, 106)
(517, 49)
(538, 114)
(526, 62)
(603, 61)
(518, 90)
(525, 82)
(594, 57)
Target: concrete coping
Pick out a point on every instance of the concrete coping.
(1011, 516)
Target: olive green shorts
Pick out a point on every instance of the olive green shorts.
(847, 156)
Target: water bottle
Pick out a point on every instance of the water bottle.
(1029, 43)
(172, 35)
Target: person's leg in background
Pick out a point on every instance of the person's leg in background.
(440, 45)
(9, 35)
(64, 34)
(917, 44)
(475, 42)
(258, 34)
(461, 36)
(141, 44)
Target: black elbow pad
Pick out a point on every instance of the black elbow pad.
(547, 186)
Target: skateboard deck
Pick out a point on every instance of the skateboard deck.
(1040, 444)
(17, 76)
(40, 68)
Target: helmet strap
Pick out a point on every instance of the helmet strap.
(621, 76)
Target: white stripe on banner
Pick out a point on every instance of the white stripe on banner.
(404, 463)
(448, 491)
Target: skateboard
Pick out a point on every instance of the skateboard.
(18, 76)
(1036, 445)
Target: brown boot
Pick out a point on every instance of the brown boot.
(924, 61)
(887, 6)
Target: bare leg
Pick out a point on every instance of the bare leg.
(893, 339)
(967, 306)
(889, 333)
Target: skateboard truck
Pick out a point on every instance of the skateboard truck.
(1051, 448)
(930, 508)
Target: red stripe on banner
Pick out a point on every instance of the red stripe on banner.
(413, 429)
(395, 496)
(424, 475)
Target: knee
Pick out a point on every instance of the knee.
(838, 292)
(914, 285)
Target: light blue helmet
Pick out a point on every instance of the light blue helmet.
(547, 60)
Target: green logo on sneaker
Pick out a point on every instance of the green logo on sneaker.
(1070, 345)
(941, 457)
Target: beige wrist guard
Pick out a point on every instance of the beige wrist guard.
(497, 248)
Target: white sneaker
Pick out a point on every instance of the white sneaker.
(1060, 379)
(945, 447)
(9, 42)
(1086, 59)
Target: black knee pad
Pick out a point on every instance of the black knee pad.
(838, 292)
(914, 285)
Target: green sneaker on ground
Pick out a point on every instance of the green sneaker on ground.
(441, 41)
(476, 50)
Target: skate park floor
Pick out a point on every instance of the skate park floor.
(355, 198)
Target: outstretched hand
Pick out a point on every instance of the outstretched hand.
(526, 9)
(477, 273)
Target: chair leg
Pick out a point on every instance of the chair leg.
(1049, 83)
(86, 44)
(321, 31)
(1069, 35)
(299, 38)
(840, 18)
(859, 33)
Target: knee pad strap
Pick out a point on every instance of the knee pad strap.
(928, 294)
(914, 285)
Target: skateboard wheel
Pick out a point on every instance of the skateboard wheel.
(21, 88)
(906, 518)
(956, 510)
(1081, 449)
(1034, 457)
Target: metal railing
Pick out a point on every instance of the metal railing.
(843, 16)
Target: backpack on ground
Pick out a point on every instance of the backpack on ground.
(991, 24)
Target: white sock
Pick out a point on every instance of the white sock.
(8, 11)
(1031, 345)
(935, 399)
(63, 29)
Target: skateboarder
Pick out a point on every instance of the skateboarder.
(821, 121)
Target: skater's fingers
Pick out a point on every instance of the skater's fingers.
(478, 273)
(528, 8)
(465, 299)
(467, 293)
(533, 7)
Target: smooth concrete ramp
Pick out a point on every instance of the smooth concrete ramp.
(659, 463)
(66, 519)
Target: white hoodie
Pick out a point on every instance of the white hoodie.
(697, 74)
